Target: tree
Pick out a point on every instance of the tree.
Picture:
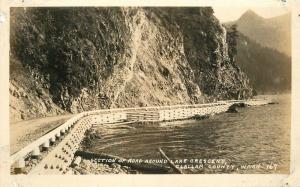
(232, 37)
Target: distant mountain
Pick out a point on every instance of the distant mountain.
(269, 71)
(272, 32)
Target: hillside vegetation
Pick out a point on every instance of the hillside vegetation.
(264, 50)
(77, 59)
(269, 71)
(274, 33)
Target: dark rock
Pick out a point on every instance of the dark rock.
(240, 105)
(22, 116)
(200, 117)
(273, 103)
(232, 109)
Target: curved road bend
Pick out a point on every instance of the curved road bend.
(23, 133)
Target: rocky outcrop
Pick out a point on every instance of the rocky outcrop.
(28, 98)
(90, 58)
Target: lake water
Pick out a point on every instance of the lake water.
(255, 140)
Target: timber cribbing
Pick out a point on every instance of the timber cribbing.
(70, 134)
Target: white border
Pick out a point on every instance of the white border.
(292, 180)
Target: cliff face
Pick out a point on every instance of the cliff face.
(79, 59)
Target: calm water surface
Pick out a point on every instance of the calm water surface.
(255, 135)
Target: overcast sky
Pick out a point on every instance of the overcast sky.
(225, 14)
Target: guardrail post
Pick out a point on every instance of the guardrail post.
(52, 139)
(36, 152)
(57, 135)
(19, 166)
(46, 145)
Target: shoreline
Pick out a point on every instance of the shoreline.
(123, 126)
(114, 128)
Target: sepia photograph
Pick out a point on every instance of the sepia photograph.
(149, 90)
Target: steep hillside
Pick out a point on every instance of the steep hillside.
(80, 59)
(273, 32)
(268, 70)
(28, 97)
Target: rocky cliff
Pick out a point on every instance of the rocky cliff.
(77, 59)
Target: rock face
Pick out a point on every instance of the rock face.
(79, 59)
(28, 98)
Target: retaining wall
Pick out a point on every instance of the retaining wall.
(58, 159)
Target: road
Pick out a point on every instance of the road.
(23, 133)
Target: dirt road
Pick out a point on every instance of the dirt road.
(24, 132)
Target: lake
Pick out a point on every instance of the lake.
(254, 140)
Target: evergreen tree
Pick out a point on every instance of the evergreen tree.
(232, 37)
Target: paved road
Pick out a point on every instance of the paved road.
(24, 132)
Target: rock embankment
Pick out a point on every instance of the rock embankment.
(90, 167)
(79, 59)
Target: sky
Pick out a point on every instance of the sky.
(225, 14)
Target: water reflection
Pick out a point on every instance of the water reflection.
(252, 136)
